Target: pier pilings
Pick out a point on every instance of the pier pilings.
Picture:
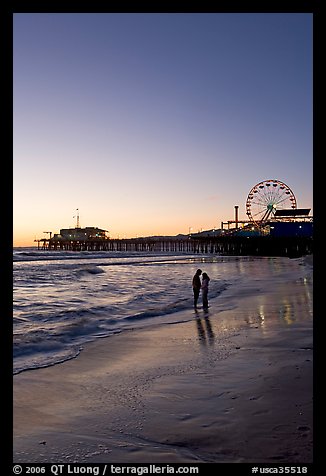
(223, 245)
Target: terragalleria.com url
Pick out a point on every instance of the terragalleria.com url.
(153, 469)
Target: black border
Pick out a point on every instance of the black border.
(6, 240)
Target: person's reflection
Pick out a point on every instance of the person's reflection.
(204, 328)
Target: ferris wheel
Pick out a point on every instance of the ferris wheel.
(265, 198)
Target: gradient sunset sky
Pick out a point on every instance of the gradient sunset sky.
(157, 123)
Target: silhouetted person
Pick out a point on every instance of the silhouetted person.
(196, 285)
(204, 290)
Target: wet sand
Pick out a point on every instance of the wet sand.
(229, 386)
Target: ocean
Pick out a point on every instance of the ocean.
(63, 300)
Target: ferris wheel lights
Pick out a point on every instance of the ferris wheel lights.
(263, 201)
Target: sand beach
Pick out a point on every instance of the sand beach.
(232, 385)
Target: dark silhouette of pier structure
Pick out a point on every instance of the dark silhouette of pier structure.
(290, 234)
(292, 246)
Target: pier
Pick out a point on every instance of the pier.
(292, 246)
(278, 232)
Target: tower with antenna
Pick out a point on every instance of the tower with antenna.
(77, 217)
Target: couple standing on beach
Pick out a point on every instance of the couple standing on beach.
(198, 285)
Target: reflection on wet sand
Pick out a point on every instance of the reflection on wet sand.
(287, 309)
(204, 328)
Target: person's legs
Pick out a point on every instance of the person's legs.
(196, 296)
(205, 299)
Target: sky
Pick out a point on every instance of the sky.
(156, 123)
